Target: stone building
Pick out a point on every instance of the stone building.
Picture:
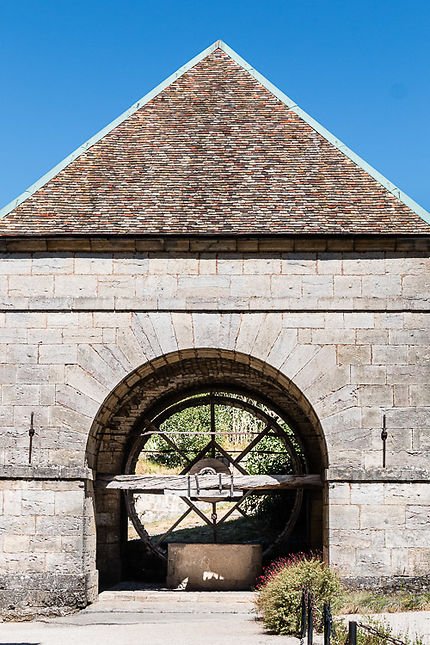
(213, 233)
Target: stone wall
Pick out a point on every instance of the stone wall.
(346, 321)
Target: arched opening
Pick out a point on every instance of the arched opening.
(136, 430)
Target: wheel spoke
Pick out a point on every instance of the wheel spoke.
(172, 528)
(252, 444)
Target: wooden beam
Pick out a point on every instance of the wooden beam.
(157, 484)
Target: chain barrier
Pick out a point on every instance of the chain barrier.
(385, 637)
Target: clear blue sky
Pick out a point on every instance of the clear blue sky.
(361, 68)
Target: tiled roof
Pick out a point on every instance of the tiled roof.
(216, 151)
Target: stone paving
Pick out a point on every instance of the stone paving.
(156, 617)
(161, 617)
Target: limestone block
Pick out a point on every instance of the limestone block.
(82, 335)
(44, 336)
(206, 329)
(415, 287)
(343, 422)
(381, 286)
(369, 395)
(45, 544)
(401, 396)
(356, 320)
(75, 400)
(409, 337)
(16, 543)
(231, 265)
(318, 286)
(367, 493)
(408, 418)
(8, 373)
(257, 264)
(228, 331)
(343, 558)
(21, 394)
(408, 265)
(303, 320)
(207, 264)
(368, 374)
(23, 354)
(248, 330)
(357, 538)
(145, 337)
(211, 285)
(299, 263)
(419, 395)
(163, 327)
(408, 374)
(47, 525)
(334, 319)
(26, 320)
(343, 516)
(368, 265)
(373, 562)
(75, 285)
(80, 380)
(389, 320)
(35, 502)
(372, 336)
(40, 286)
(339, 493)
(93, 264)
(418, 517)
(269, 331)
(316, 367)
(347, 286)
(389, 354)
(353, 354)
(12, 502)
(407, 493)
(418, 561)
(298, 358)
(377, 516)
(408, 538)
(333, 336)
(69, 502)
(18, 525)
(18, 263)
(130, 347)
(282, 347)
(338, 397)
(329, 263)
(304, 336)
(116, 285)
(285, 286)
(58, 354)
(60, 319)
(47, 263)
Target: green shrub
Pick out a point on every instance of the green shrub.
(280, 591)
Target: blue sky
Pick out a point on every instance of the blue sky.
(361, 68)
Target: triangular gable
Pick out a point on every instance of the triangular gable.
(26, 214)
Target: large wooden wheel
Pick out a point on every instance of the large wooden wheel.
(272, 437)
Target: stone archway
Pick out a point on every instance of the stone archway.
(116, 427)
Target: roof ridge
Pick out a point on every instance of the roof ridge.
(289, 103)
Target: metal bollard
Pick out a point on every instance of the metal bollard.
(303, 616)
(310, 622)
(352, 633)
(327, 623)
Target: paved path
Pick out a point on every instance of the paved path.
(170, 618)
(151, 618)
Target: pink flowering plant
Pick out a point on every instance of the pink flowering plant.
(280, 590)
